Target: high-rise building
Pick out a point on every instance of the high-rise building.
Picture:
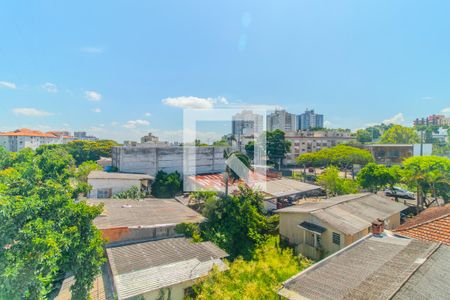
(282, 120)
(247, 123)
(81, 135)
(435, 120)
(309, 119)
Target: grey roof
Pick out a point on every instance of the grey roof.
(376, 268)
(117, 175)
(146, 212)
(285, 187)
(143, 267)
(349, 213)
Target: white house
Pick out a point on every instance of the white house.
(106, 185)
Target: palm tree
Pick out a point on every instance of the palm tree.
(229, 173)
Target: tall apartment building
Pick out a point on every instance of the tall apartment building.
(25, 138)
(81, 135)
(282, 120)
(246, 123)
(313, 141)
(309, 119)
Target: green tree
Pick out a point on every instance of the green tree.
(44, 233)
(85, 169)
(237, 223)
(398, 134)
(276, 146)
(374, 177)
(90, 150)
(335, 185)
(167, 185)
(258, 278)
(429, 176)
(341, 156)
(250, 150)
(363, 136)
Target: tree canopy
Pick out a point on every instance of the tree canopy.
(374, 176)
(276, 146)
(44, 233)
(341, 156)
(429, 176)
(398, 134)
(83, 151)
(167, 185)
(334, 185)
(236, 223)
(258, 278)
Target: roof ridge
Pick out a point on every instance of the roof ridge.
(360, 195)
(423, 223)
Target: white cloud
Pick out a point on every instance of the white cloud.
(147, 114)
(97, 110)
(396, 119)
(92, 50)
(194, 102)
(427, 98)
(8, 85)
(135, 123)
(31, 112)
(50, 87)
(446, 110)
(93, 95)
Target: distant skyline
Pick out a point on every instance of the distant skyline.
(121, 69)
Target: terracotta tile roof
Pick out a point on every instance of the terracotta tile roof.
(28, 132)
(432, 224)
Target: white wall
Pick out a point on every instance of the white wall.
(116, 185)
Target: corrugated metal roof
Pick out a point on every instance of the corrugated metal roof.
(374, 268)
(117, 175)
(143, 267)
(147, 212)
(350, 213)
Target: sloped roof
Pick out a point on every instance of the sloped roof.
(272, 186)
(433, 224)
(144, 267)
(146, 212)
(349, 213)
(117, 175)
(384, 267)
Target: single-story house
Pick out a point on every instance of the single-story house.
(376, 267)
(162, 269)
(277, 190)
(107, 184)
(159, 269)
(318, 229)
(125, 220)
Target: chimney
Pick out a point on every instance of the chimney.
(378, 227)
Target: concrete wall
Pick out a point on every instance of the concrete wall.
(176, 292)
(116, 185)
(149, 160)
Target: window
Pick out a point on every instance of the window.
(336, 238)
(309, 239)
(103, 193)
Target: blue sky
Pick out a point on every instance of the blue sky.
(121, 68)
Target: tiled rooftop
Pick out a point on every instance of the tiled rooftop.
(433, 224)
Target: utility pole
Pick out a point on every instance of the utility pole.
(421, 142)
